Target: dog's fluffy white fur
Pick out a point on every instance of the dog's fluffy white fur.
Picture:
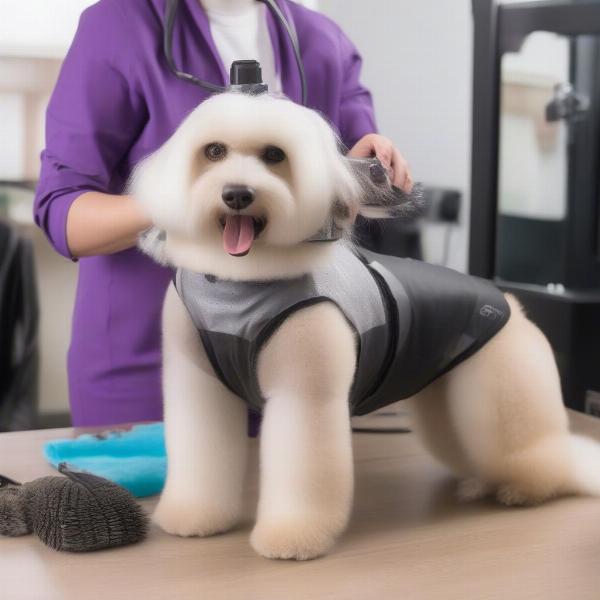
(497, 420)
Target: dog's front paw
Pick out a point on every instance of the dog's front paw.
(298, 539)
(185, 518)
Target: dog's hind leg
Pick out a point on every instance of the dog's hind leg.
(205, 435)
(305, 373)
(434, 425)
(506, 410)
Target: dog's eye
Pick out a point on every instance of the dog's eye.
(215, 151)
(273, 154)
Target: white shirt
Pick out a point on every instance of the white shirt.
(240, 32)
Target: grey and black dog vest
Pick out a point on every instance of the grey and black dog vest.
(413, 321)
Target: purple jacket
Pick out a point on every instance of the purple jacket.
(116, 102)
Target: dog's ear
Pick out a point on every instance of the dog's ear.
(161, 182)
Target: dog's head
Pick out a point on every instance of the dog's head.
(242, 185)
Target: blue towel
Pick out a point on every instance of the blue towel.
(134, 459)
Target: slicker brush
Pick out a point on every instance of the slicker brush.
(80, 512)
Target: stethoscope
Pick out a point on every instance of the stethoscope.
(170, 14)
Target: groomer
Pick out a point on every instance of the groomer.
(118, 98)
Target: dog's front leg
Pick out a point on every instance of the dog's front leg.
(205, 435)
(305, 372)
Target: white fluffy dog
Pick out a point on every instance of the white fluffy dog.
(497, 419)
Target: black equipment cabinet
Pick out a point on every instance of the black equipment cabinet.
(568, 313)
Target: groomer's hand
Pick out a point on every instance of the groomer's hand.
(377, 145)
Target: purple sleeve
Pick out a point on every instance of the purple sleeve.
(93, 117)
(357, 114)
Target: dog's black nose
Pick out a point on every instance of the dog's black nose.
(238, 196)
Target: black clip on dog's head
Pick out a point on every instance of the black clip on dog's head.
(245, 76)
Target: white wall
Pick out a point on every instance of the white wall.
(41, 28)
(418, 60)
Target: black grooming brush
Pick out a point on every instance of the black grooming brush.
(77, 513)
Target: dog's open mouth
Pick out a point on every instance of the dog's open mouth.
(240, 232)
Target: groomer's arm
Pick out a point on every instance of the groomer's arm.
(96, 111)
(100, 223)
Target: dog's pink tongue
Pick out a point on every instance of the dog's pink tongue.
(238, 234)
